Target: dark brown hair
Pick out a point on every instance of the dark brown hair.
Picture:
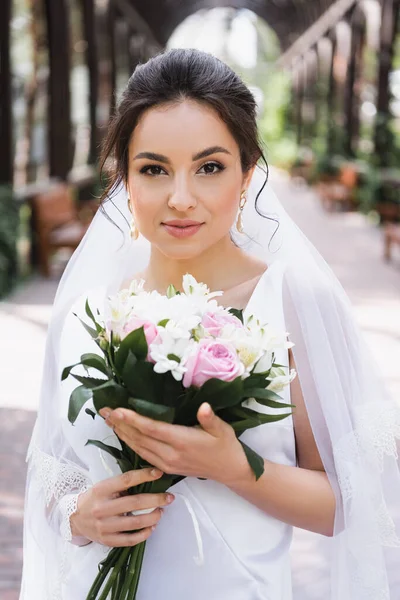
(174, 76)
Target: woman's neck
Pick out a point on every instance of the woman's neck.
(221, 267)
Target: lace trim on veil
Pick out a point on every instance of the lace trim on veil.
(362, 451)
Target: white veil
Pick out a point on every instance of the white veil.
(355, 423)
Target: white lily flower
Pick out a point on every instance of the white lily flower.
(192, 287)
(136, 287)
(279, 383)
(265, 362)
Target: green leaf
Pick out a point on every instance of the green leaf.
(238, 313)
(115, 452)
(128, 374)
(135, 342)
(89, 382)
(125, 465)
(159, 486)
(220, 394)
(159, 412)
(163, 322)
(145, 383)
(171, 291)
(172, 392)
(110, 394)
(267, 398)
(78, 398)
(256, 420)
(67, 371)
(255, 461)
(89, 412)
(88, 310)
(174, 357)
(95, 361)
(255, 381)
(89, 313)
(92, 332)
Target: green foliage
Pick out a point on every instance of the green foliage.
(279, 140)
(326, 166)
(368, 189)
(389, 152)
(9, 223)
(378, 187)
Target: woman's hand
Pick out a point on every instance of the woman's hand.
(100, 516)
(211, 451)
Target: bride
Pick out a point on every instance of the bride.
(184, 150)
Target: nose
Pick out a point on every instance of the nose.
(181, 197)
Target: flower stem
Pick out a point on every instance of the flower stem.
(110, 582)
(130, 571)
(104, 569)
(138, 569)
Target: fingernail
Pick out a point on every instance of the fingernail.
(170, 498)
(156, 473)
(119, 415)
(153, 527)
(105, 412)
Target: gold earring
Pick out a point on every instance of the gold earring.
(242, 204)
(134, 229)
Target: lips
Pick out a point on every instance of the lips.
(181, 223)
(182, 228)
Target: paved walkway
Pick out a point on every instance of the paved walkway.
(348, 242)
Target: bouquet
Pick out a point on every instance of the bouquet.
(163, 356)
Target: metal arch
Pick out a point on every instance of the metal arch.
(319, 28)
(289, 18)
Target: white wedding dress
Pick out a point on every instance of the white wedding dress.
(246, 552)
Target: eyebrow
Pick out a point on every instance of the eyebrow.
(198, 156)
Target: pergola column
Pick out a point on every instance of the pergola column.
(299, 99)
(389, 26)
(92, 60)
(112, 17)
(331, 101)
(59, 102)
(352, 93)
(6, 153)
(60, 143)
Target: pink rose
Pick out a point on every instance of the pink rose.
(150, 330)
(212, 359)
(213, 323)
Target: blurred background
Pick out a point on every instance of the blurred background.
(326, 76)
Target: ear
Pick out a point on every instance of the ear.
(247, 178)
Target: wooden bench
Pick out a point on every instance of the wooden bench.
(392, 236)
(338, 193)
(57, 223)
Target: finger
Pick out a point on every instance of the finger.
(129, 539)
(131, 523)
(128, 479)
(209, 421)
(139, 443)
(126, 504)
(159, 430)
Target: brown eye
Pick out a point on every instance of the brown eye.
(212, 168)
(152, 170)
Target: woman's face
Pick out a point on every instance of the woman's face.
(184, 178)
